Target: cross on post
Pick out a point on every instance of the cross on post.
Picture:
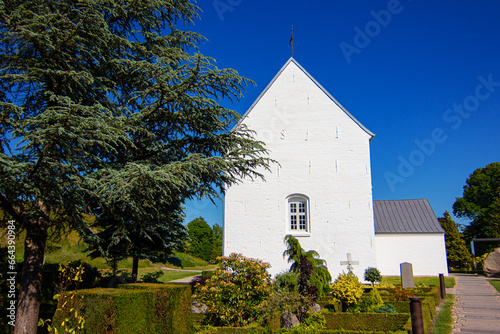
(349, 263)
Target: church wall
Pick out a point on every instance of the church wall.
(426, 252)
(324, 155)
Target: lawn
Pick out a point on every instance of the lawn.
(444, 319)
(495, 283)
(70, 248)
(449, 282)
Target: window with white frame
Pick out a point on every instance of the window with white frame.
(298, 214)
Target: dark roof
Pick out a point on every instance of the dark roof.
(405, 216)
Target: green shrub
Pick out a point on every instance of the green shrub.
(152, 277)
(387, 308)
(235, 293)
(372, 275)
(347, 289)
(368, 303)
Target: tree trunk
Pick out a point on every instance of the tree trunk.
(135, 269)
(28, 304)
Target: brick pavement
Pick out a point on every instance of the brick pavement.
(477, 305)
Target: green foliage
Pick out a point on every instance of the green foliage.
(286, 281)
(368, 303)
(481, 203)
(386, 308)
(218, 234)
(201, 239)
(236, 292)
(136, 308)
(67, 318)
(320, 275)
(347, 289)
(152, 277)
(457, 253)
(372, 275)
(107, 108)
(369, 322)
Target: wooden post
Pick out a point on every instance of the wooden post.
(417, 322)
(442, 286)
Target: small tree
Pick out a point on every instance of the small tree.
(320, 276)
(235, 293)
(347, 289)
(372, 275)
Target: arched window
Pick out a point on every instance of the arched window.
(298, 213)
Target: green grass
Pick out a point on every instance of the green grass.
(444, 319)
(71, 248)
(495, 283)
(449, 282)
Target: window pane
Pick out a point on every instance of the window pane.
(293, 222)
(302, 222)
(293, 207)
(302, 207)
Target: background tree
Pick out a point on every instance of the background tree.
(201, 239)
(152, 240)
(107, 108)
(457, 253)
(218, 234)
(481, 203)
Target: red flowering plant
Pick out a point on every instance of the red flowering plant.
(235, 294)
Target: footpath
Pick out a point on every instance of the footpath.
(477, 305)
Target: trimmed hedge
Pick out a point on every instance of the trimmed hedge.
(260, 330)
(136, 308)
(366, 321)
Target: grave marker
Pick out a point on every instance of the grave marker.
(406, 270)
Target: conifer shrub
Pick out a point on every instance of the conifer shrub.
(347, 289)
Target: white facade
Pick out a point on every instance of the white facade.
(425, 251)
(324, 163)
(321, 190)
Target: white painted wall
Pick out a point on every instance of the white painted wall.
(324, 155)
(426, 252)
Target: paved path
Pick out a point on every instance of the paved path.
(477, 305)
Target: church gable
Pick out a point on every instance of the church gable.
(321, 187)
(293, 90)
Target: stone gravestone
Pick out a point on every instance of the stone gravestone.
(406, 270)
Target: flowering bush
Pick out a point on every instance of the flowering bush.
(347, 289)
(235, 293)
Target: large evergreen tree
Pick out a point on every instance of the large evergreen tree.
(108, 108)
(456, 251)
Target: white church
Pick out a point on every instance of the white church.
(321, 190)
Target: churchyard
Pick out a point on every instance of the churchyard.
(240, 295)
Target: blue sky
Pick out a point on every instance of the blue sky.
(424, 76)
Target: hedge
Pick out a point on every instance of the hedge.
(260, 330)
(135, 308)
(383, 322)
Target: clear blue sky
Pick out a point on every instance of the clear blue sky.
(423, 75)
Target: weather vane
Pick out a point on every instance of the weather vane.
(292, 43)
